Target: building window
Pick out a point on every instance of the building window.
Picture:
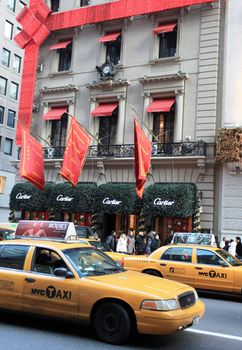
(13, 93)
(108, 129)
(8, 146)
(3, 86)
(2, 109)
(65, 58)
(11, 4)
(113, 50)
(54, 5)
(84, 3)
(167, 43)
(16, 63)
(5, 57)
(11, 118)
(8, 32)
(2, 179)
(59, 131)
(163, 127)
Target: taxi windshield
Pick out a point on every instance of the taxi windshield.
(229, 258)
(92, 262)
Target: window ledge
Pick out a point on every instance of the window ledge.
(64, 72)
(119, 66)
(166, 59)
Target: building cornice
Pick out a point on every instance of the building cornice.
(159, 78)
(67, 88)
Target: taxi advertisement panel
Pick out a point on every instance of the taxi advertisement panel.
(48, 229)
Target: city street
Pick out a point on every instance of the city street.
(219, 329)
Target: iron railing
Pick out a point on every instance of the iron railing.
(183, 149)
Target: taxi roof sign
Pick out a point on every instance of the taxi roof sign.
(193, 238)
(46, 230)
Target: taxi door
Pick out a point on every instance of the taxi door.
(176, 264)
(211, 272)
(12, 274)
(46, 294)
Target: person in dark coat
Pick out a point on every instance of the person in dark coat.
(140, 243)
(226, 246)
(238, 247)
(149, 240)
(156, 243)
(111, 241)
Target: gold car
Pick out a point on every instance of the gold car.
(202, 267)
(78, 282)
(103, 247)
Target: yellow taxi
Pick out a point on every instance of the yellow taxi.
(202, 267)
(78, 282)
(104, 248)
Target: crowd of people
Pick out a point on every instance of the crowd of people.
(129, 244)
(145, 244)
(231, 246)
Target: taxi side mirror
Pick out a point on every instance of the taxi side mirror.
(63, 272)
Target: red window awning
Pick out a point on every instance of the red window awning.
(165, 28)
(61, 45)
(104, 109)
(109, 37)
(163, 105)
(55, 113)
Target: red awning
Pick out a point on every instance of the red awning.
(165, 28)
(55, 113)
(163, 105)
(104, 109)
(109, 37)
(61, 45)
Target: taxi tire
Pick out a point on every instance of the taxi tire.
(153, 272)
(112, 323)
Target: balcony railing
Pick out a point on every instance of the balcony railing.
(184, 149)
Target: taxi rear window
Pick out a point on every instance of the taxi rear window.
(13, 256)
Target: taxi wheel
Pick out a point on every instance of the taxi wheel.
(153, 273)
(112, 323)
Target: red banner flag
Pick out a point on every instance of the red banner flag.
(142, 151)
(32, 160)
(75, 152)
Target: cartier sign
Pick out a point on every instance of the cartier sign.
(160, 202)
(111, 201)
(61, 198)
(22, 196)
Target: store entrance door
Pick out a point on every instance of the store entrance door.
(109, 221)
(165, 226)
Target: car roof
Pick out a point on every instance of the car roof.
(47, 243)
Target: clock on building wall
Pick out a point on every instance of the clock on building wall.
(106, 70)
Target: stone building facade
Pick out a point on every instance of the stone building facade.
(165, 67)
(10, 78)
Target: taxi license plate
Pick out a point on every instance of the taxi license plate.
(195, 321)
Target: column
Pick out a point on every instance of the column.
(179, 116)
(121, 119)
(148, 120)
(93, 121)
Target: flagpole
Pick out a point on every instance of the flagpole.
(150, 131)
(33, 132)
(88, 132)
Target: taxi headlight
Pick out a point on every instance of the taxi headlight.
(160, 305)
